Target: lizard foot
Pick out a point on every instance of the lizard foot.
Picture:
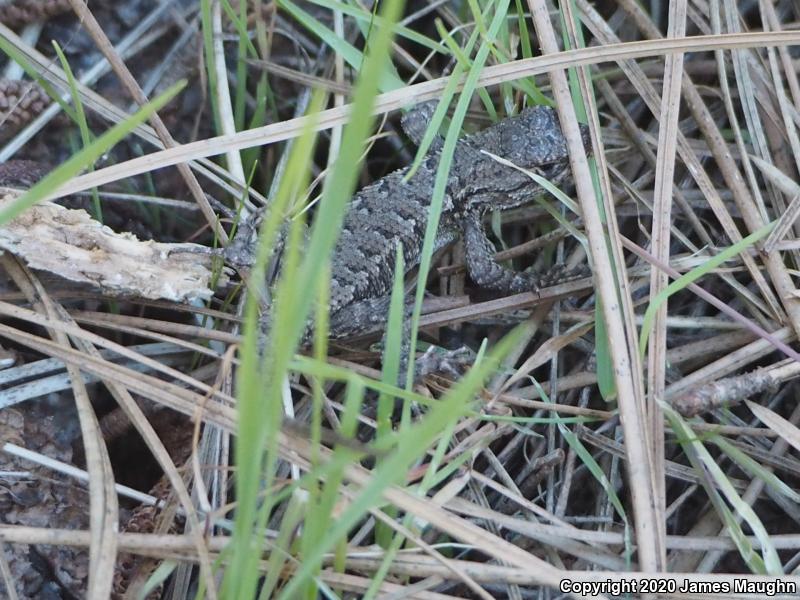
(533, 281)
(452, 363)
(559, 274)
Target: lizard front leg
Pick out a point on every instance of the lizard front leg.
(487, 273)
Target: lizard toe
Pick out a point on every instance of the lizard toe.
(451, 363)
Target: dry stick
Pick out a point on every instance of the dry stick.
(732, 362)
(615, 304)
(427, 90)
(662, 221)
(104, 44)
(730, 391)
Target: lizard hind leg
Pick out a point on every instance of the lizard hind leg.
(487, 273)
(452, 363)
(372, 315)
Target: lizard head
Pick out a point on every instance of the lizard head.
(531, 141)
(534, 138)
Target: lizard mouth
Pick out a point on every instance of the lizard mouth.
(555, 172)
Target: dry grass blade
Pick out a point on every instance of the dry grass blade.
(103, 509)
(615, 311)
(662, 223)
(102, 41)
(777, 423)
(285, 460)
(416, 93)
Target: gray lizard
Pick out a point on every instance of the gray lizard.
(394, 211)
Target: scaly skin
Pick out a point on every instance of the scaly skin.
(394, 211)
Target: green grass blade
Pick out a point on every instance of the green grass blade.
(387, 77)
(364, 17)
(341, 182)
(259, 387)
(410, 447)
(443, 169)
(259, 407)
(80, 119)
(769, 562)
(393, 342)
(18, 57)
(605, 369)
(694, 275)
(754, 468)
(75, 164)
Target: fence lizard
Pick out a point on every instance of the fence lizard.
(393, 211)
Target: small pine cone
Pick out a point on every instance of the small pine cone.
(145, 519)
(20, 103)
(17, 13)
(34, 496)
(176, 434)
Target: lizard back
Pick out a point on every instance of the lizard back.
(393, 211)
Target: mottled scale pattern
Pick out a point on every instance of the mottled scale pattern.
(364, 256)
(392, 210)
